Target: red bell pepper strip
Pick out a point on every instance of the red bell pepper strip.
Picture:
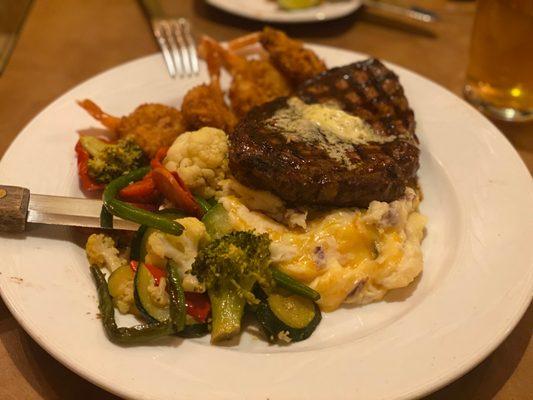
(177, 194)
(157, 161)
(198, 305)
(87, 184)
(142, 191)
(156, 272)
(133, 265)
(172, 186)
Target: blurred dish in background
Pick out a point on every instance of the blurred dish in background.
(302, 10)
(297, 4)
(499, 79)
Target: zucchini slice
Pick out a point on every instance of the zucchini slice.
(143, 243)
(148, 308)
(136, 242)
(217, 222)
(152, 312)
(288, 318)
(118, 279)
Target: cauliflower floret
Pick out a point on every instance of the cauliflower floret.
(201, 159)
(181, 249)
(102, 252)
(124, 301)
(158, 293)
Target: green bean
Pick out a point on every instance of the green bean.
(177, 308)
(171, 213)
(106, 218)
(142, 217)
(194, 330)
(132, 335)
(293, 286)
(132, 213)
(203, 203)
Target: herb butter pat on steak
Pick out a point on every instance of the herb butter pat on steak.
(325, 126)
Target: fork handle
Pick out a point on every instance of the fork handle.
(13, 208)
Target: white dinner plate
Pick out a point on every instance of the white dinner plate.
(476, 284)
(269, 11)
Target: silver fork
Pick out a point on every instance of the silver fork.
(175, 39)
(177, 45)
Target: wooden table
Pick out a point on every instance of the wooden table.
(66, 42)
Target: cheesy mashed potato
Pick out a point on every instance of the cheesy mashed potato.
(348, 256)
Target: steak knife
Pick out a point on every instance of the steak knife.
(19, 207)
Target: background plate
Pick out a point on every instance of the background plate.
(477, 280)
(269, 11)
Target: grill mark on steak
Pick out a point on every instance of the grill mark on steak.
(302, 173)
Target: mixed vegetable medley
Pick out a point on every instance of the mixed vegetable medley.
(185, 271)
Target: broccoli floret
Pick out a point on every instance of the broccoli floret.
(109, 161)
(229, 267)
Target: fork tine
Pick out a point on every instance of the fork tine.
(163, 45)
(177, 46)
(176, 49)
(191, 45)
(176, 29)
(194, 58)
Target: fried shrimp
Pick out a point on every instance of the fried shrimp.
(259, 83)
(254, 81)
(204, 104)
(289, 56)
(151, 125)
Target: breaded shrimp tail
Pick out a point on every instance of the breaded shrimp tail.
(204, 105)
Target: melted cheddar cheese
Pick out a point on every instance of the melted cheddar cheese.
(347, 255)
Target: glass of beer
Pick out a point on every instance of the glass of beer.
(499, 78)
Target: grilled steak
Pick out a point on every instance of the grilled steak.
(279, 147)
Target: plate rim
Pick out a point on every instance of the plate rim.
(429, 387)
